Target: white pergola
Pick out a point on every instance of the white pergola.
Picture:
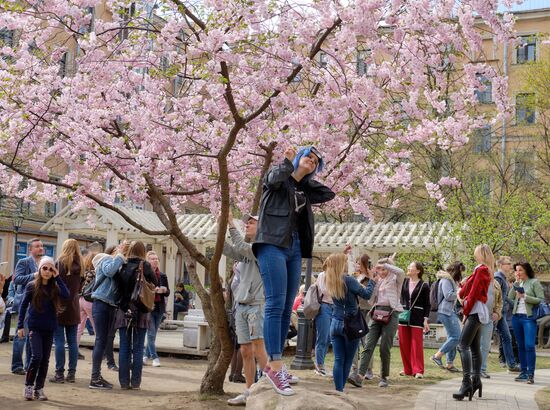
(108, 224)
(375, 239)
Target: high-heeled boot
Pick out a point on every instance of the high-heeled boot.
(477, 385)
(465, 389)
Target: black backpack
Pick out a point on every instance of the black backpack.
(434, 296)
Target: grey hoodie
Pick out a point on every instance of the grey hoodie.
(251, 289)
(446, 294)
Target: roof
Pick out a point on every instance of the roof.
(382, 237)
(200, 228)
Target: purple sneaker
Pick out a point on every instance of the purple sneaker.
(289, 377)
(279, 381)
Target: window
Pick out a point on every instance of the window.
(527, 50)
(525, 112)
(6, 37)
(485, 92)
(178, 85)
(50, 209)
(482, 140)
(524, 169)
(66, 64)
(323, 59)
(362, 62)
(482, 185)
(88, 28)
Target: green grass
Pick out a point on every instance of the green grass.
(432, 373)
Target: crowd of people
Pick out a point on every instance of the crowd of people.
(53, 301)
(354, 311)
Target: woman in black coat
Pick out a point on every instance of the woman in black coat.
(131, 322)
(415, 298)
(285, 236)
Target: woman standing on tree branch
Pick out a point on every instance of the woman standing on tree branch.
(285, 236)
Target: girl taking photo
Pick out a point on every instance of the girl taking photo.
(285, 236)
(344, 291)
(40, 304)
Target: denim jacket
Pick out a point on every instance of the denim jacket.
(105, 288)
(348, 305)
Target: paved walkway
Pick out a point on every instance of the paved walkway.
(499, 392)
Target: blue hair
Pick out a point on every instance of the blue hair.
(304, 152)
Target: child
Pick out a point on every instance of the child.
(41, 300)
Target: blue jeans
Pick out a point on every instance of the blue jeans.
(452, 327)
(104, 315)
(20, 344)
(131, 354)
(506, 342)
(525, 330)
(59, 337)
(344, 352)
(280, 269)
(154, 324)
(322, 325)
(486, 332)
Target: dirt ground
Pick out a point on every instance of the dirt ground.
(174, 385)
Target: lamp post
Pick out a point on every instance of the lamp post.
(302, 360)
(17, 222)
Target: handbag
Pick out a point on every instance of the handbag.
(381, 316)
(312, 302)
(88, 290)
(143, 295)
(405, 316)
(355, 325)
(541, 310)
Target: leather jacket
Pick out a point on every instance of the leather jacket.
(277, 207)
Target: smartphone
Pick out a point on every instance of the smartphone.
(519, 289)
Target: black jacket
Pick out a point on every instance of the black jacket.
(126, 280)
(277, 207)
(161, 306)
(421, 308)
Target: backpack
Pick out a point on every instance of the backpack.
(312, 302)
(434, 296)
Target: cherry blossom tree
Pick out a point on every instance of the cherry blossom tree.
(174, 102)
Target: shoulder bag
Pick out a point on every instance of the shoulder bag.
(143, 295)
(355, 325)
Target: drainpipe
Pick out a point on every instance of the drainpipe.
(503, 139)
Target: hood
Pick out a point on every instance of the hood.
(444, 275)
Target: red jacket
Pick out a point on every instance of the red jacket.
(475, 288)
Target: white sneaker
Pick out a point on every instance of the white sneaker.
(240, 400)
(145, 360)
(156, 362)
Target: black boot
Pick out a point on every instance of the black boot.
(465, 389)
(476, 385)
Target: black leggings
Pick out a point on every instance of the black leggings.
(41, 347)
(469, 347)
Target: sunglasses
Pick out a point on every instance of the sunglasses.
(48, 269)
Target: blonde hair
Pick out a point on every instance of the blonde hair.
(150, 253)
(503, 260)
(335, 268)
(485, 255)
(70, 253)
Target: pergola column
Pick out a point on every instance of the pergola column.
(111, 238)
(62, 236)
(201, 273)
(170, 270)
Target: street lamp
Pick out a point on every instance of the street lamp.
(302, 360)
(17, 222)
